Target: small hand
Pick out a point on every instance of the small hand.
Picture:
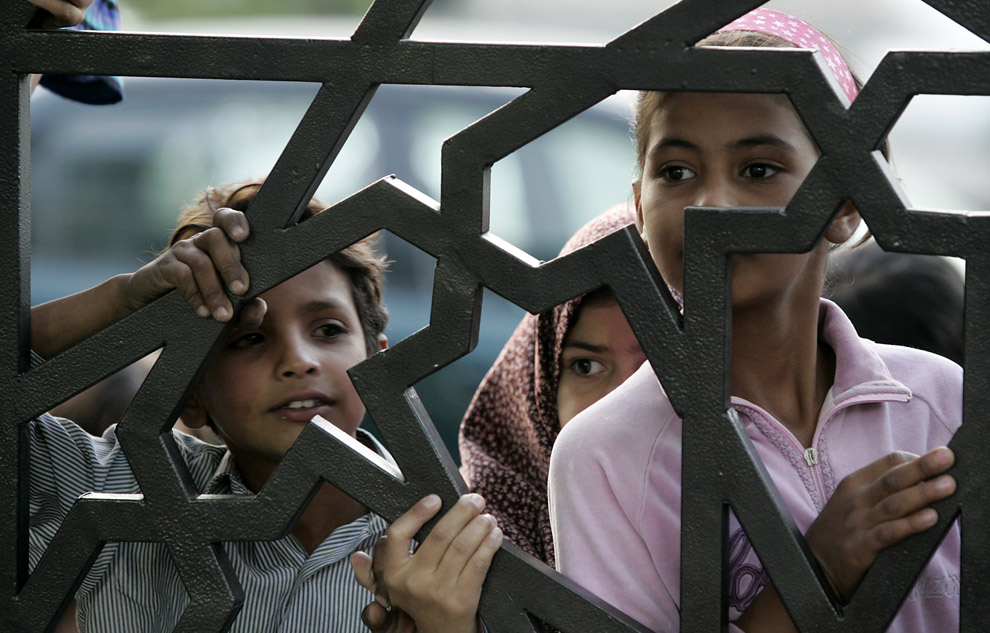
(199, 266)
(439, 586)
(875, 507)
(62, 12)
(379, 616)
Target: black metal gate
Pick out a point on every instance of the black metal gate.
(688, 357)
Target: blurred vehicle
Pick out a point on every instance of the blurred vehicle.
(107, 184)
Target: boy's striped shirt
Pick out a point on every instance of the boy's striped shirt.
(135, 587)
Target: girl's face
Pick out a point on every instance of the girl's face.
(599, 353)
(724, 150)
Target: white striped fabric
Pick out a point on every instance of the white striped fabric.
(135, 588)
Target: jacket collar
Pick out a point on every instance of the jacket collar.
(860, 373)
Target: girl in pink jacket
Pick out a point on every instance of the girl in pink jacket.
(852, 433)
(838, 422)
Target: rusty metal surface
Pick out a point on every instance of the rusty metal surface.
(687, 355)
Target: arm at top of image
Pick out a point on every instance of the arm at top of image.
(62, 13)
(79, 15)
(56, 14)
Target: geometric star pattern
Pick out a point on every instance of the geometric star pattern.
(720, 467)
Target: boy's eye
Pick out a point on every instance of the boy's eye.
(587, 367)
(246, 340)
(331, 330)
(676, 173)
(760, 170)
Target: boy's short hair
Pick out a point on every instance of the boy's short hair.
(360, 262)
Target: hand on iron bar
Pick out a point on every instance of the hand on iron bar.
(437, 588)
(875, 507)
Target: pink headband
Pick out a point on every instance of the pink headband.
(802, 35)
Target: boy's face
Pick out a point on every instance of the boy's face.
(266, 384)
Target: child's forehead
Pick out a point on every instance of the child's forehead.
(700, 114)
(324, 285)
(594, 317)
(695, 105)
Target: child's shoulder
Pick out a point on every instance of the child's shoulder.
(932, 379)
(61, 435)
(921, 371)
(68, 443)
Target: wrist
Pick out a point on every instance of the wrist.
(124, 300)
(812, 539)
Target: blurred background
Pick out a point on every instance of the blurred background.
(108, 181)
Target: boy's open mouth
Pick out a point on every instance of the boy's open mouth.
(303, 404)
(302, 408)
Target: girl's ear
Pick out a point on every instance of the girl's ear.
(637, 186)
(194, 414)
(844, 224)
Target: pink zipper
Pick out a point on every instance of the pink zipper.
(811, 455)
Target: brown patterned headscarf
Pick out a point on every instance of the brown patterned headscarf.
(511, 423)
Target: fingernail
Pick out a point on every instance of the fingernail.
(221, 314)
(238, 286)
(944, 484)
(431, 502)
(943, 456)
(495, 534)
(202, 311)
(239, 231)
(928, 517)
(475, 500)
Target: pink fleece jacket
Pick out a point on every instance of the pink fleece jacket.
(615, 482)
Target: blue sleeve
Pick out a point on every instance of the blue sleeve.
(102, 15)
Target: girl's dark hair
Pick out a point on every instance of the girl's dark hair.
(360, 262)
(901, 299)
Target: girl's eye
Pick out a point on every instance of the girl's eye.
(587, 367)
(759, 171)
(246, 340)
(676, 173)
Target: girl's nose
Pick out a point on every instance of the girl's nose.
(716, 193)
(297, 359)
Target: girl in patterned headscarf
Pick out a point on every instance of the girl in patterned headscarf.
(513, 420)
(554, 365)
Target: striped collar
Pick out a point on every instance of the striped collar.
(226, 479)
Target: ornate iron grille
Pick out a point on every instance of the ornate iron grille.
(688, 356)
